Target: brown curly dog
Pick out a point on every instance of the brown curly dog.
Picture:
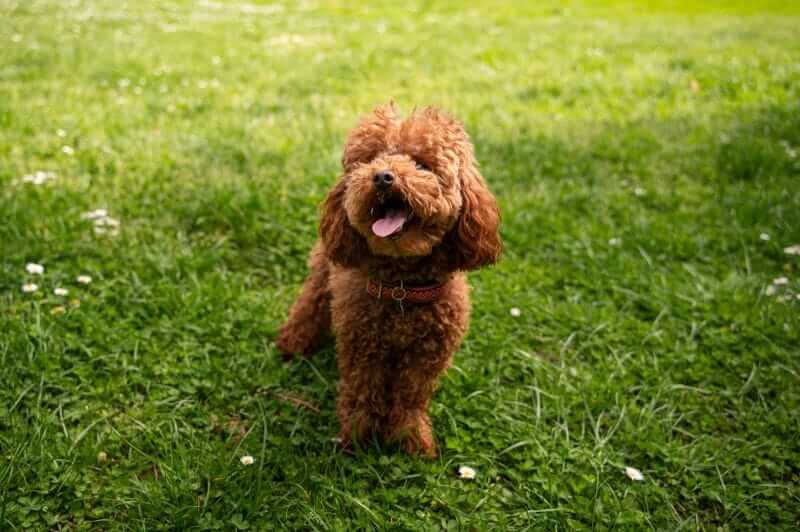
(409, 215)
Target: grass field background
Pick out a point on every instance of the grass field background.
(647, 164)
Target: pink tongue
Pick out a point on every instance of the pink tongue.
(389, 224)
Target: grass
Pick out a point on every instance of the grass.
(638, 155)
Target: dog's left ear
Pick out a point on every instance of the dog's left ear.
(341, 242)
(474, 241)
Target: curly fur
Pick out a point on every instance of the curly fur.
(390, 356)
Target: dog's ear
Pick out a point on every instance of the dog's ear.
(474, 241)
(341, 242)
(369, 138)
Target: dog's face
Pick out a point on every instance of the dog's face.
(410, 185)
(403, 187)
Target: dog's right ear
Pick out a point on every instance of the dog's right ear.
(369, 137)
(341, 242)
(475, 240)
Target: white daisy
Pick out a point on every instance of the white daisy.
(615, 242)
(633, 473)
(764, 237)
(61, 291)
(103, 223)
(106, 221)
(515, 312)
(68, 150)
(30, 287)
(792, 250)
(38, 178)
(95, 214)
(771, 290)
(247, 460)
(780, 281)
(84, 279)
(34, 269)
(466, 472)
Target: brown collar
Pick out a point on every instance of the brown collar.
(400, 293)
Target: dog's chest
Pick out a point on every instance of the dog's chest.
(393, 326)
(403, 325)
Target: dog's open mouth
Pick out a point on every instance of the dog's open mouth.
(392, 214)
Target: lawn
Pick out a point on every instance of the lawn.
(647, 165)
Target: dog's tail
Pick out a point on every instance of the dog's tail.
(310, 316)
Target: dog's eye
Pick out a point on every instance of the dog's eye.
(423, 167)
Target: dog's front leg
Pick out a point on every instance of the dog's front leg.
(408, 422)
(362, 405)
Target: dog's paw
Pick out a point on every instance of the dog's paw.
(290, 345)
(284, 350)
(420, 447)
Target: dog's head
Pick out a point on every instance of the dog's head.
(409, 186)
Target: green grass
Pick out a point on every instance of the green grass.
(212, 131)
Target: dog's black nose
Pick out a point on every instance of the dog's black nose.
(383, 179)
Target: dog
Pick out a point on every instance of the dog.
(409, 216)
